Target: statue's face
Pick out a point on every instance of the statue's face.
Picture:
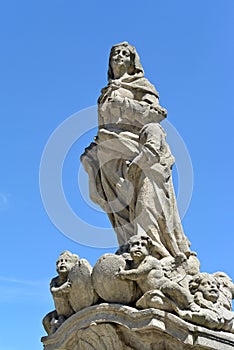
(208, 287)
(64, 264)
(120, 60)
(139, 249)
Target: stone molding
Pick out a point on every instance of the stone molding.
(133, 329)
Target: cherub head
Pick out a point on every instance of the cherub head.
(207, 284)
(139, 246)
(65, 262)
(124, 59)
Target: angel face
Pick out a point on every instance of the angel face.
(209, 287)
(138, 248)
(64, 264)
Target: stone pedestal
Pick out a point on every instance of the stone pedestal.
(118, 327)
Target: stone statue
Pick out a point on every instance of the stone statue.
(226, 288)
(148, 272)
(150, 294)
(130, 162)
(71, 290)
(211, 314)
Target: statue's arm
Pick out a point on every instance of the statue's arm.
(146, 110)
(64, 288)
(199, 300)
(151, 140)
(135, 274)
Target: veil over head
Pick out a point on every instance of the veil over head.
(135, 79)
(136, 67)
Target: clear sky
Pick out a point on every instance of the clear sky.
(53, 63)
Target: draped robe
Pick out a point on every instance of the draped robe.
(129, 166)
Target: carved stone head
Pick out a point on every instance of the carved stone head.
(207, 284)
(65, 262)
(124, 58)
(140, 246)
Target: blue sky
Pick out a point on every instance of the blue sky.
(53, 64)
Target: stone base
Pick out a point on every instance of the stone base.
(118, 327)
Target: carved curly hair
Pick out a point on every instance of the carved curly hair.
(197, 279)
(74, 257)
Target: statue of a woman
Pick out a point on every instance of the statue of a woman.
(129, 164)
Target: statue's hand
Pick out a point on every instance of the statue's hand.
(194, 307)
(63, 289)
(66, 287)
(202, 302)
(120, 274)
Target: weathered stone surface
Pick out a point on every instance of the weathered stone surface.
(82, 293)
(213, 311)
(60, 287)
(130, 162)
(72, 290)
(102, 335)
(226, 288)
(173, 305)
(106, 283)
(117, 327)
(195, 298)
(159, 290)
(138, 278)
